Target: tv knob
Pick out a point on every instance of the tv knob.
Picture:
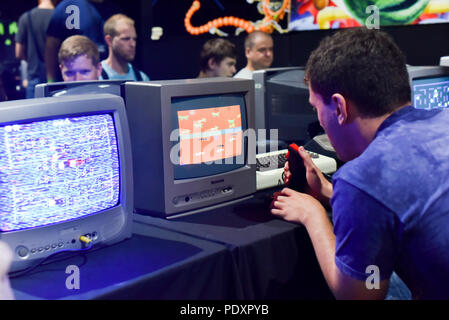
(22, 251)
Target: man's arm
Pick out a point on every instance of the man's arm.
(303, 208)
(51, 58)
(20, 51)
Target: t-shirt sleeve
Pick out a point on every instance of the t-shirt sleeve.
(365, 232)
(21, 30)
(56, 26)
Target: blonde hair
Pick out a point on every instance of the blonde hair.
(76, 46)
(110, 24)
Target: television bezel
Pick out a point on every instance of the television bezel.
(157, 97)
(48, 89)
(111, 225)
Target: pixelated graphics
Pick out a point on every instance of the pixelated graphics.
(209, 134)
(57, 170)
(431, 94)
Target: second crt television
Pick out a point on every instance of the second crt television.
(282, 104)
(65, 172)
(57, 89)
(191, 148)
(430, 86)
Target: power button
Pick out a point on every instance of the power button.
(22, 252)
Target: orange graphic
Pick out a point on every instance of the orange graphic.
(272, 16)
(210, 134)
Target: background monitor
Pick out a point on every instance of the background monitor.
(190, 148)
(65, 172)
(57, 89)
(282, 103)
(430, 86)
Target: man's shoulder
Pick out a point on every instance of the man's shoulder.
(244, 73)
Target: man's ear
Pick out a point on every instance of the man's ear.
(211, 64)
(108, 40)
(341, 108)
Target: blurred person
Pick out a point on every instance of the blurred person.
(5, 263)
(258, 52)
(79, 59)
(121, 38)
(30, 43)
(217, 59)
(76, 17)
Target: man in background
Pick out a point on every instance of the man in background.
(121, 38)
(30, 43)
(76, 17)
(258, 52)
(217, 59)
(79, 59)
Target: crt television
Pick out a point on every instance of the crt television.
(282, 104)
(56, 89)
(430, 86)
(65, 172)
(191, 150)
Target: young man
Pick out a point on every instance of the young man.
(258, 52)
(79, 59)
(30, 43)
(390, 201)
(121, 37)
(217, 59)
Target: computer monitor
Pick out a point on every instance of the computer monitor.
(430, 86)
(65, 172)
(282, 103)
(191, 144)
(57, 89)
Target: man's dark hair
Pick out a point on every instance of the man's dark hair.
(363, 65)
(217, 49)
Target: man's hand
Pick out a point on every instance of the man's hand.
(318, 186)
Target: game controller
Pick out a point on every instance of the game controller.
(298, 179)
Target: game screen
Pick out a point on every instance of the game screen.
(209, 134)
(432, 93)
(57, 170)
(231, 18)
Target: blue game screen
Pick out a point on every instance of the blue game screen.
(57, 170)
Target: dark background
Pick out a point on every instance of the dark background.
(176, 54)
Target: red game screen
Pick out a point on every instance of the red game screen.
(210, 134)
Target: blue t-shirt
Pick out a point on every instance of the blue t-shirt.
(391, 204)
(115, 76)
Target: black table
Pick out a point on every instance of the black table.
(275, 258)
(153, 264)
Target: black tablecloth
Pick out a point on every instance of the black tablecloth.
(275, 258)
(153, 264)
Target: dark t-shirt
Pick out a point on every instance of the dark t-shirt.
(40, 19)
(91, 17)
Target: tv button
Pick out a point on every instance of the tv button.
(22, 251)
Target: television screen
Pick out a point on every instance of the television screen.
(57, 170)
(431, 93)
(210, 131)
(65, 175)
